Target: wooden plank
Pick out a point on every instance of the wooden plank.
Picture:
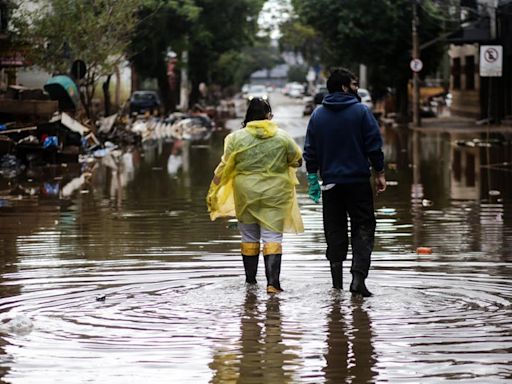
(18, 130)
(29, 107)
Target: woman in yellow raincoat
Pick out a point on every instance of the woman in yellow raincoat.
(255, 181)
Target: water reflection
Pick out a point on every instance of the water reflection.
(263, 356)
(133, 227)
(350, 356)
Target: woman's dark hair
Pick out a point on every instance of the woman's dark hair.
(258, 109)
(339, 77)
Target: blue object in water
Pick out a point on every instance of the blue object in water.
(52, 189)
(50, 142)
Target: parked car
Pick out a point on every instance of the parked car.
(312, 102)
(257, 91)
(296, 90)
(320, 94)
(145, 101)
(322, 91)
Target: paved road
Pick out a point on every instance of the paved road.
(287, 114)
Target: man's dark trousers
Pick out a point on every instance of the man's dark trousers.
(356, 200)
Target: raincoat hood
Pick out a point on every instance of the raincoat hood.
(339, 100)
(261, 129)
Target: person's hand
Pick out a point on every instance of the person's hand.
(380, 182)
(314, 190)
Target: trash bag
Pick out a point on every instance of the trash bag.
(257, 178)
(10, 166)
(51, 142)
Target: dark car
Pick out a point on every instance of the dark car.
(317, 99)
(144, 101)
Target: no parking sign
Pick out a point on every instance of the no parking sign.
(491, 60)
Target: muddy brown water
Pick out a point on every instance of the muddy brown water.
(134, 232)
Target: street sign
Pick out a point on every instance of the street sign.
(416, 65)
(491, 60)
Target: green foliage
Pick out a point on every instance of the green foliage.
(300, 38)
(297, 73)
(95, 31)
(212, 31)
(234, 67)
(375, 33)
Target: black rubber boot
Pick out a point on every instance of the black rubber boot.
(272, 271)
(251, 268)
(358, 287)
(337, 274)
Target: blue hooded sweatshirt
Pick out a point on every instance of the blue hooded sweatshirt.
(342, 139)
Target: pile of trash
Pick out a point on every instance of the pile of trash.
(176, 126)
(58, 140)
(65, 140)
(39, 128)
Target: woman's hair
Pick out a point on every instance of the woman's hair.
(258, 109)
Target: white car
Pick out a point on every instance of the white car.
(257, 91)
(296, 90)
(366, 98)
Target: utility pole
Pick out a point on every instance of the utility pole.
(416, 78)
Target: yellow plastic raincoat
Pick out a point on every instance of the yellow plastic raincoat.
(256, 178)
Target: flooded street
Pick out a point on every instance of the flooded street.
(126, 279)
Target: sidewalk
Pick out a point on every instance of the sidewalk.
(460, 124)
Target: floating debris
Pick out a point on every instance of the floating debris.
(16, 323)
(423, 250)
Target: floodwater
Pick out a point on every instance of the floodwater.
(126, 279)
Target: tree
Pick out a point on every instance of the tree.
(95, 31)
(375, 33)
(212, 32)
(233, 68)
(300, 38)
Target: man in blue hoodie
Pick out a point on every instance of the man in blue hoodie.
(342, 142)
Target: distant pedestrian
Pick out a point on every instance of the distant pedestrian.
(342, 141)
(255, 181)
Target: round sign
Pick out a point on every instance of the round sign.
(491, 55)
(416, 65)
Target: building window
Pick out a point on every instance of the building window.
(456, 73)
(469, 71)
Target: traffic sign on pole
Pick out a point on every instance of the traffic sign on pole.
(416, 65)
(491, 60)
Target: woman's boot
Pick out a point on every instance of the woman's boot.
(358, 286)
(272, 256)
(337, 274)
(250, 256)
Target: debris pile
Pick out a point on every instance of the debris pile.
(35, 130)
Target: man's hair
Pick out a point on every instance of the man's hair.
(339, 77)
(258, 109)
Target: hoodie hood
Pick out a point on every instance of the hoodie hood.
(262, 129)
(339, 100)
